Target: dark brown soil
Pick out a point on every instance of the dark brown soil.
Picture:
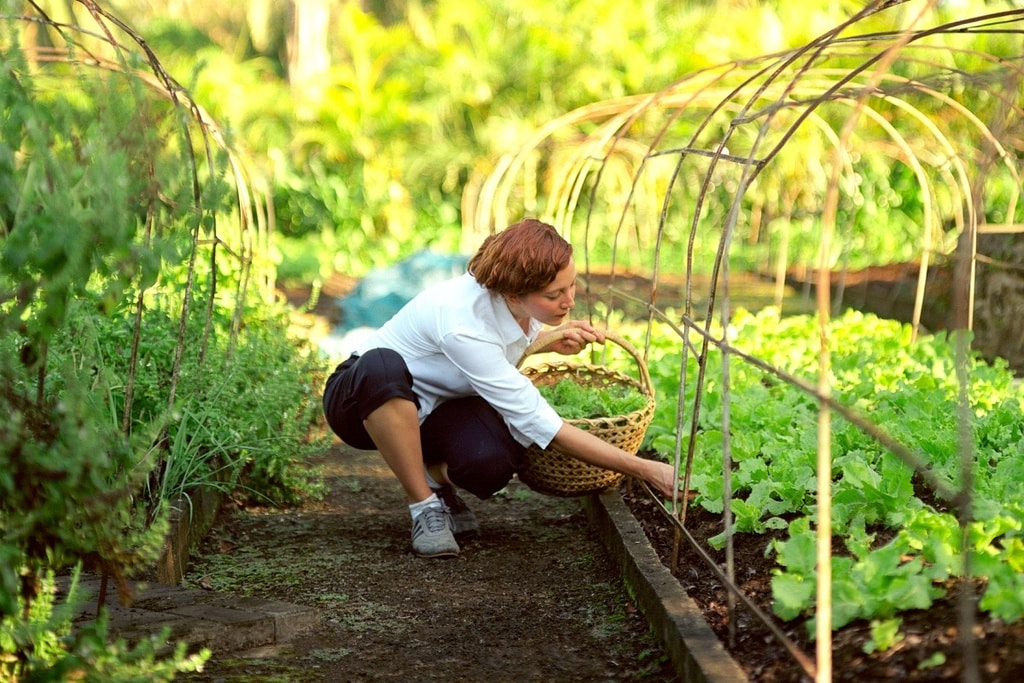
(532, 598)
(927, 632)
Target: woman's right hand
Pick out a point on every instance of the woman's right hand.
(662, 477)
(577, 334)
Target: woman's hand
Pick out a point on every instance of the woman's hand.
(585, 446)
(662, 478)
(577, 335)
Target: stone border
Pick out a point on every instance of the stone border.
(696, 652)
(191, 518)
(223, 622)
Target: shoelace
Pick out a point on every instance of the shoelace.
(435, 519)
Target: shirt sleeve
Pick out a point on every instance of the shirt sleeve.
(497, 380)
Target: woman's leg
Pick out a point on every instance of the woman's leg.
(471, 439)
(369, 404)
(394, 427)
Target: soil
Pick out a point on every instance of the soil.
(533, 597)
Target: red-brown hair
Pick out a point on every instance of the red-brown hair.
(521, 259)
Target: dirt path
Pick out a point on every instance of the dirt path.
(532, 598)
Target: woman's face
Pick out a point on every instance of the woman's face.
(553, 303)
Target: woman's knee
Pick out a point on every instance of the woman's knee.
(483, 477)
(473, 440)
(359, 387)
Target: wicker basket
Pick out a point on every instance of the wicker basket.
(552, 472)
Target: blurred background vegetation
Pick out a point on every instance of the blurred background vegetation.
(184, 158)
(370, 119)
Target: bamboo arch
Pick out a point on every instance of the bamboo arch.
(660, 184)
(237, 230)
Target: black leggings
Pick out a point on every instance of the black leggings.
(466, 433)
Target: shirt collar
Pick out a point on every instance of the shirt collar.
(508, 326)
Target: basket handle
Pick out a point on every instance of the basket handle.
(554, 335)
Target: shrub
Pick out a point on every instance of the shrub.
(139, 351)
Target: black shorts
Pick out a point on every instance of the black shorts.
(466, 433)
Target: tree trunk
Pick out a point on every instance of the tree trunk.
(308, 55)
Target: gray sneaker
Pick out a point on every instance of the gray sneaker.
(463, 518)
(433, 534)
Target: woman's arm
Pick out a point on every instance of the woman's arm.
(585, 446)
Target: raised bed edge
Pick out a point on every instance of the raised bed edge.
(695, 651)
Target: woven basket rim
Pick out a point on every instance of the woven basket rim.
(565, 368)
(553, 472)
(554, 335)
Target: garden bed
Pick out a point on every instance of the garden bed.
(928, 652)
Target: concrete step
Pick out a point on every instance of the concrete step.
(221, 622)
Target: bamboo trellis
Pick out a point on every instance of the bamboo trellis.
(99, 44)
(787, 136)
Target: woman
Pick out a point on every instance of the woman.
(436, 389)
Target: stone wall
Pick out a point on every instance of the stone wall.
(999, 299)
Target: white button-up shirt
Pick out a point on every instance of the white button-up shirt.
(460, 339)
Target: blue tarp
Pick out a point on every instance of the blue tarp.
(380, 294)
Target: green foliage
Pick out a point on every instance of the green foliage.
(872, 583)
(900, 540)
(66, 487)
(885, 633)
(53, 652)
(374, 159)
(572, 401)
(76, 181)
(245, 409)
(137, 357)
(64, 221)
(379, 154)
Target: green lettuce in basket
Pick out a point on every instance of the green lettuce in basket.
(573, 402)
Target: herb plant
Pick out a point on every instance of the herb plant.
(134, 363)
(573, 401)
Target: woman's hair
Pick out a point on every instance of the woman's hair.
(523, 258)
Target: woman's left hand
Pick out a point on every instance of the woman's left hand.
(577, 335)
